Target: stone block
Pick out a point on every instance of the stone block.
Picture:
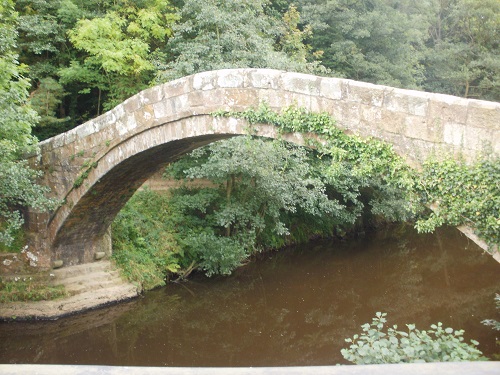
(161, 110)
(205, 81)
(241, 98)
(152, 95)
(301, 83)
(417, 127)
(177, 87)
(418, 103)
(396, 101)
(69, 137)
(144, 116)
(483, 114)
(479, 139)
(265, 78)
(133, 104)
(231, 78)
(324, 105)
(331, 88)
(393, 122)
(272, 98)
(36, 221)
(351, 116)
(297, 99)
(454, 134)
(446, 108)
(107, 119)
(179, 103)
(365, 93)
(370, 114)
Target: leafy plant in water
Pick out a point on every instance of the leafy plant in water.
(491, 322)
(437, 344)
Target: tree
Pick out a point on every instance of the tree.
(373, 41)
(218, 34)
(256, 184)
(465, 56)
(44, 46)
(17, 187)
(118, 48)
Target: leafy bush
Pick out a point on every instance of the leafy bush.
(464, 195)
(216, 255)
(144, 243)
(256, 186)
(438, 344)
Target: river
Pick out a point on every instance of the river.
(292, 307)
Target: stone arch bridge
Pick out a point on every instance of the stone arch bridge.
(95, 168)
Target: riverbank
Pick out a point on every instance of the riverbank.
(96, 285)
(89, 286)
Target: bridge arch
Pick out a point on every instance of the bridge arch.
(96, 167)
(79, 227)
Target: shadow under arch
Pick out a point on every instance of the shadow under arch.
(80, 228)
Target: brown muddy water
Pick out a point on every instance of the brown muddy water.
(293, 307)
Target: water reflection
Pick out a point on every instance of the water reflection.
(293, 307)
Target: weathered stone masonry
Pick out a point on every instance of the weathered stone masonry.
(95, 168)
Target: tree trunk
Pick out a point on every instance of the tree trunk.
(229, 191)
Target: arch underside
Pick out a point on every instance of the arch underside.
(91, 217)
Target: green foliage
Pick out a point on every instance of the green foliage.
(219, 34)
(144, 244)
(437, 344)
(17, 187)
(465, 54)
(463, 195)
(256, 184)
(46, 99)
(491, 322)
(215, 254)
(81, 179)
(269, 193)
(355, 163)
(376, 41)
(23, 290)
(118, 48)
(17, 241)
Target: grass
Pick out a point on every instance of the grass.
(27, 289)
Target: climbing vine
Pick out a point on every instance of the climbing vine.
(460, 194)
(371, 163)
(463, 195)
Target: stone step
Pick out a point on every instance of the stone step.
(90, 277)
(82, 269)
(92, 285)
